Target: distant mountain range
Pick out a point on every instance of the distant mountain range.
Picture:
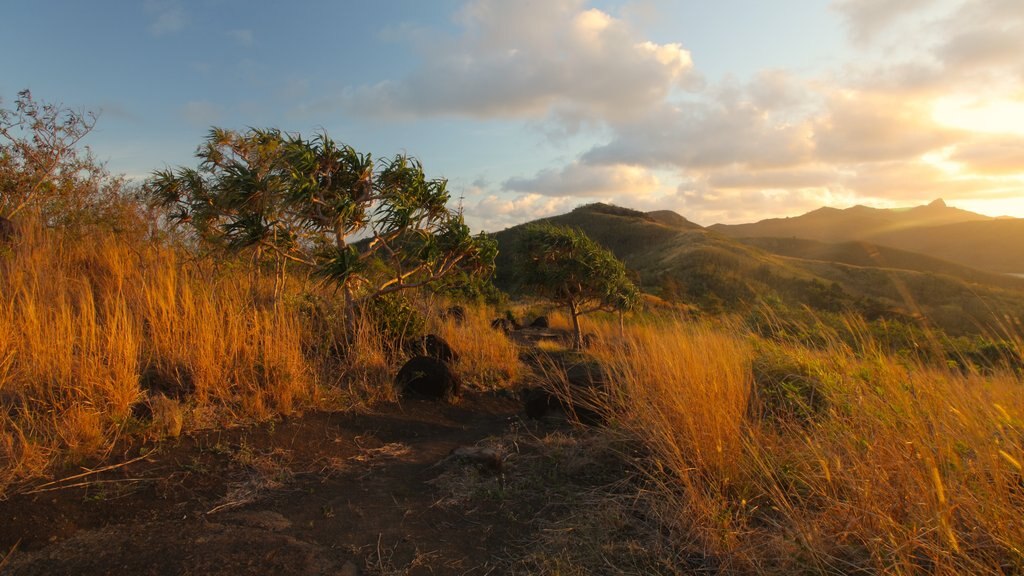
(937, 230)
(720, 268)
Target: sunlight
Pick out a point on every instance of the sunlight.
(1001, 116)
(994, 206)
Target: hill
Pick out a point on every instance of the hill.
(866, 254)
(935, 230)
(677, 259)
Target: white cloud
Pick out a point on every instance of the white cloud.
(773, 144)
(494, 212)
(590, 181)
(531, 60)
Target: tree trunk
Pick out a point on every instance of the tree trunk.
(350, 314)
(577, 333)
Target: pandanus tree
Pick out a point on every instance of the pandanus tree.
(565, 266)
(370, 227)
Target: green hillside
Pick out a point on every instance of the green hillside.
(676, 259)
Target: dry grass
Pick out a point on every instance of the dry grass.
(92, 329)
(487, 357)
(892, 467)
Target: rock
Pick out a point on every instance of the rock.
(8, 230)
(487, 459)
(538, 402)
(502, 324)
(436, 347)
(456, 314)
(540, 322)
(580, 397)
(428, 377)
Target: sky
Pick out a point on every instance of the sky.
(728, 111)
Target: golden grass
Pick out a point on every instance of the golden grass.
(487, 357)
(92, 328)
(904, 469)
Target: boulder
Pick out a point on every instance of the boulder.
(434, 346)
(540, 322)
(429, 377)
(580, 397)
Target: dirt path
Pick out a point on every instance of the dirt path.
(320, 494)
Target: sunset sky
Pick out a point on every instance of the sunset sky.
(726, 111)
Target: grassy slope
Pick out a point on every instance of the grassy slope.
(718, 271)
(966, 238)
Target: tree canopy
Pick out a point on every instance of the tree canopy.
(372, 227)
(564, 265)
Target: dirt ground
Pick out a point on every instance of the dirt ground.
(415, 487)
(317, 494)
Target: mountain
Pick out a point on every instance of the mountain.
(675, 258)
(936, 230)
(865, 254)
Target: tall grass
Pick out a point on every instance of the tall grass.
(775, 458)
(487, 357)
(96, 333)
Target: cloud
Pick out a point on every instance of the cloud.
(872, 130)
(991, 155)
(799, 178)
(868, 18)
(494, 212)
(590, 181)
(531, 60)
(243, 37)
(168, 16)
(201, 113)
(729, 128)
(862, 126)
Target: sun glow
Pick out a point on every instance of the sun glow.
(1002, 116)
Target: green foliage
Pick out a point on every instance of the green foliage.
(564, 265)
(373, 228)
(790, 387)
(395, 318)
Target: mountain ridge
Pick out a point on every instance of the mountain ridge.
(716, 272)
(992, 244)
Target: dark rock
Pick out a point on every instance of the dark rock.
(539, 402)
(8, 230)
(540, 322)
(502, 324)
(581, 397)
(428, 377)
(434, 346)
(456, 314)
(174, 382)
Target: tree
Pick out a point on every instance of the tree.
(373, 228)
(45, 171)
(564, 265)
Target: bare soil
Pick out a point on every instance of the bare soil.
(324, 493)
